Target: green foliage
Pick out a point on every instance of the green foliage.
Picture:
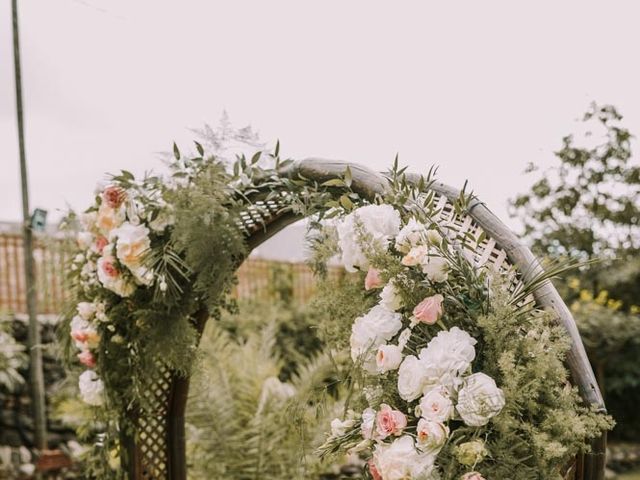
(588, 206)
(12, 356)
(243, 422)
(543, 414)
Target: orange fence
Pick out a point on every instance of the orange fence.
(262, 279)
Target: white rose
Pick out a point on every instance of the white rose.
(388, 358)
(450, 351)
(390, 298)
(411, 378)
(368, 423)
(411, 235)
(431, 436)
(91, 388)
(86, 310)
(436, 406)
(379, 223)
(435, 268)
(372, 329)
(132, 242)
(479, 400)
(401, 461)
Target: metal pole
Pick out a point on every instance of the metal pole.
(35, 345)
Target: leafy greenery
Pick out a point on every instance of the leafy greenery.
(587, 206)
(243, 421)
(12, 356)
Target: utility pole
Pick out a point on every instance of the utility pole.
(35, 344)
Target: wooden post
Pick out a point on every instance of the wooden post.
(35, 345)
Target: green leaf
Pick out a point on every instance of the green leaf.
(255, 158)
(199, 148)
(276, 152)
(346, 202)
(334, 182)
(348, 177)
(176, 151)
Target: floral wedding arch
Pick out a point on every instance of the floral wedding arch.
(157, 258)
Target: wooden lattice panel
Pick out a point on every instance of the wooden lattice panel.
(152, 427)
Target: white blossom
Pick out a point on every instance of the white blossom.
(479, 400)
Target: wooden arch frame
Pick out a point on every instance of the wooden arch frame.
(156, 451)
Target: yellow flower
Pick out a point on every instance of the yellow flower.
(635, 309)
(602, 297)
(585, 295)
(574, 283)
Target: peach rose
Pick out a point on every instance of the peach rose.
(429, 310)
(415, 256)
(109, 218)
(86, 358)
(390, 421)
(113, 196)
(372, 280)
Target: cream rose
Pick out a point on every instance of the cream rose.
(131, 244)
(479, 400)
(388, 358)
(436, 406)
(109, 218)
(431, 436)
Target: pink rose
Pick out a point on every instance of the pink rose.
(372, 280)
(390, 422)
(472, 476)
(109, 268)
(101, 242)
(373, 470)
(86, 358)
(113, 196)
(429, 310)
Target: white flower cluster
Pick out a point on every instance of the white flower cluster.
(437, 384)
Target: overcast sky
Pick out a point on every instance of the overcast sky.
(479, 88)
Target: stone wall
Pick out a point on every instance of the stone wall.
(18, 459)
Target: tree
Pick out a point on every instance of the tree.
(588, 207)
